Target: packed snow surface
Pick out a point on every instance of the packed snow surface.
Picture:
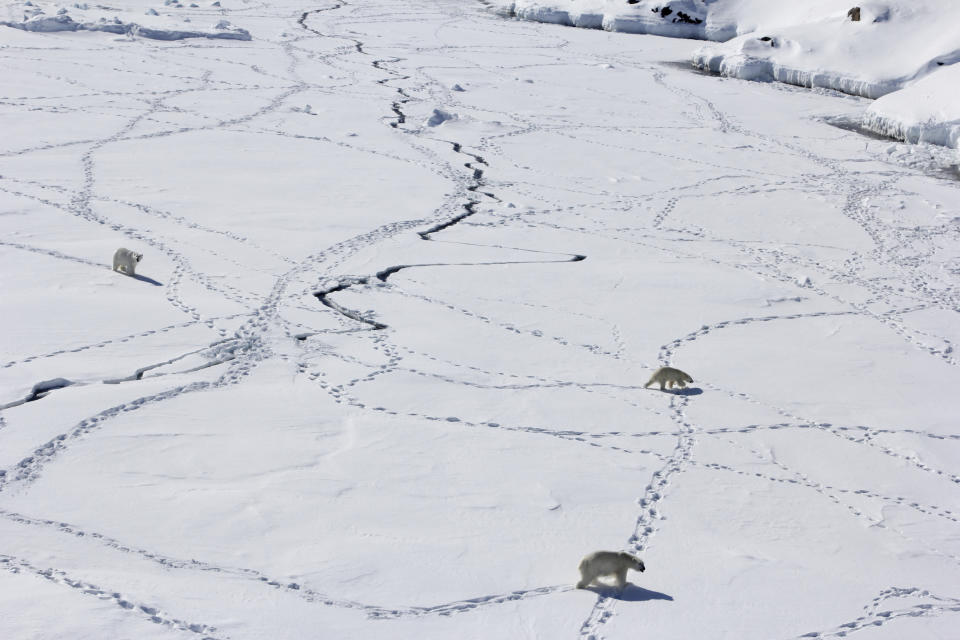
(377, 379)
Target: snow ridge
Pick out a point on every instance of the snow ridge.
(52, 24)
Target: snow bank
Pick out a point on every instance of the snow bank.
(676, 18)
(716, 20)
(927, 111)
(153, 26)
(889, 46)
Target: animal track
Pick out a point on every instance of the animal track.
(151, 613)
(875, 618)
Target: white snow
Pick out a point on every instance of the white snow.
(381, 380)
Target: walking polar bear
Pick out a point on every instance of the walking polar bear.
(665, 375)
(125, 261)
(608, 563)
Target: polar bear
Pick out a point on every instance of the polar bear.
(665, 375)
(125, 261)
(607, 563)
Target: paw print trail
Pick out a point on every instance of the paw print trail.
(30, 468)
(147, 612)
(254, 577)
(654, 494)
(876, 618)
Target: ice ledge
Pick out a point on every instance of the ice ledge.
(926, 111)
(945, 134)
(52, 24)
(747, 67)
(681, 19)
(743, 65)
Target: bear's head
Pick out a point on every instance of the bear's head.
(635, 563)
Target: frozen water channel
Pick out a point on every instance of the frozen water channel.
(406, 268)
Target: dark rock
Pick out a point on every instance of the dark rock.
(854, 14)
(685, 18)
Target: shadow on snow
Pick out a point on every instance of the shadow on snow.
(630, 593)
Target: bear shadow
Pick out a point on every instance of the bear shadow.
(677, 391)
(141, 278)
(689, 391)
(630, 593)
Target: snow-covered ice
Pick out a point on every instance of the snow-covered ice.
(381, 380)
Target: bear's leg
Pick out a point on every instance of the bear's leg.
(586, 577)
(621, 578)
